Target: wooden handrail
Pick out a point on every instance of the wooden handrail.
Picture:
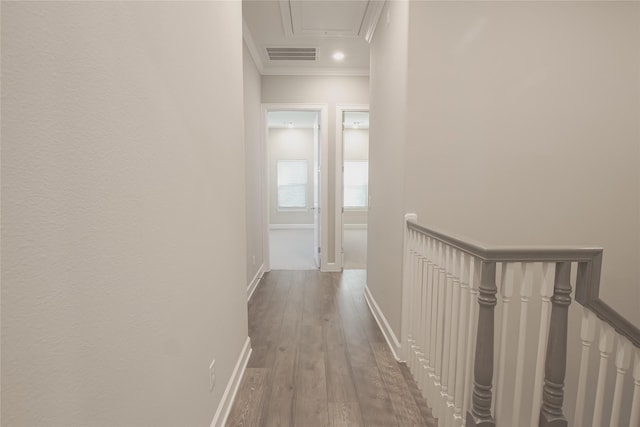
(588, 278)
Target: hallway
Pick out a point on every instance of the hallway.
(320, 359)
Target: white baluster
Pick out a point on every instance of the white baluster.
(410, 276)
(462, 325)
(605, 346)
(453, 341)
(474, 282)
(506, 289)
(623, 359)
(526, 289)
(428, 276)
(416, 306)
(406, 291)
(546, 292)
(634, 420)
(448, 314)
(587, 333)
(433, 330)
(423, 311)
(442, 281)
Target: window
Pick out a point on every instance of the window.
(292, 184)
(356, 184)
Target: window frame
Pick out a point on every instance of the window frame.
(304, 208)
(351, 208)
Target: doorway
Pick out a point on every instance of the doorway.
(294, 143)
(353, 147)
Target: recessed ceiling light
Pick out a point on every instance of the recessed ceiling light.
(338, 56)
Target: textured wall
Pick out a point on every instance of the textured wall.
(532, 138)
(123, 245)
(254, 164)
(387, 134)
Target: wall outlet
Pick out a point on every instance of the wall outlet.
(254, 260)
(212, 374)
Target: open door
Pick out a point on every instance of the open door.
(352, 182)
(316, 192)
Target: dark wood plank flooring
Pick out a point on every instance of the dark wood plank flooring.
(319, 358)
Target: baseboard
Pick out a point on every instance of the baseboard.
(391, 338)
(331, 267)
(254, 282)
(229, 396)
(355, 226)
(290, 226)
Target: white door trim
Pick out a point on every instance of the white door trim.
(324, 176)
(340, 109)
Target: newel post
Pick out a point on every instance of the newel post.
(480, 413)
(556, 362)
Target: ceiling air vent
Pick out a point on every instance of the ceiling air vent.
(291, 53)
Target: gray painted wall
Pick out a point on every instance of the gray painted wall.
(123, 211)
(539, 139)
(528, 139)
(388, 107)
(254, 164)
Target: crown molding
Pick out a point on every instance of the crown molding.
(372, 16)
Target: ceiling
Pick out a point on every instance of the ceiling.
(328, 26)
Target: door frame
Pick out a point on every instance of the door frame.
(339, 223)
(323, 110)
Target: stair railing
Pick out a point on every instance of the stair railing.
(457, 293)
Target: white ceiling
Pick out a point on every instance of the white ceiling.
(327, 25)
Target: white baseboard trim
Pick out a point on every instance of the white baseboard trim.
(331, 267)
(355, 226)
(290, 226)
(254, 282)
(391, 338)
(229, 396)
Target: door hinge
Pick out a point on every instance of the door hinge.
(319, 251)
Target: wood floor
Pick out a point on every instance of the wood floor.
(319, 358)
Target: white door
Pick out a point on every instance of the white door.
(316, 192)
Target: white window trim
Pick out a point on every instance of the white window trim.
(304, 208)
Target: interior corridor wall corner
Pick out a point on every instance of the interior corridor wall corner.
(254, 166)
(123, 211)
(387, 136)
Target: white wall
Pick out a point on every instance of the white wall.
(531, 138)
(123, 217)
(355, 147)
(387, 134)
(290, 144)
(319, 90)
(254, 164)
